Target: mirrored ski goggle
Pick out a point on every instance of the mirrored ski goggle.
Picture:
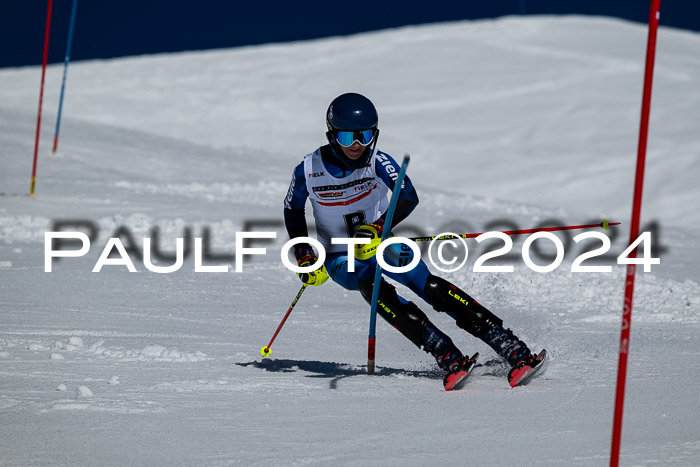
(347, 138)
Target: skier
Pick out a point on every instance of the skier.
(348, 181)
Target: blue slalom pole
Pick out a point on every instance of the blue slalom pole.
(378, 272)
(65, 72)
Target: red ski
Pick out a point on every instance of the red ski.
(453, 379)
(524, 371)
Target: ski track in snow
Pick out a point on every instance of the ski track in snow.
(75, 346)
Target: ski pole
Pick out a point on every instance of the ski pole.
(634, 231)
(605, 224)
(378, 271)
(65, 72)
(265, 351)
(41, 96)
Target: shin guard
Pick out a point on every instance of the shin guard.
(406, 317)
(470, 315)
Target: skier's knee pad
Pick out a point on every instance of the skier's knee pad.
(470, 315)
(406, 317)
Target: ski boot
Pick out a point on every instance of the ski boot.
(524, 364)
(506, 344)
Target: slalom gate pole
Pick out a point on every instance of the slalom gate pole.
(41, 95)
(634, 233)
(605, 224)
(65, 72)
(378, 271)
(265, 351)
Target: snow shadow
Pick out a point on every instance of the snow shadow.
(336, 371)
(494, 367)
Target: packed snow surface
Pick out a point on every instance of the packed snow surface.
(511, 123)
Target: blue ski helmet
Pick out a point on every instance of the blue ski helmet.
(352, 117)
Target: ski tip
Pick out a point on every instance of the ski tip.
(522, 374)
(454, 380)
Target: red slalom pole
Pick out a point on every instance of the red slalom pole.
(605, 224)
(265, 351)
(634, 233)
(41, 95)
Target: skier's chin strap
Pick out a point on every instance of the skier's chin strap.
(470, 315)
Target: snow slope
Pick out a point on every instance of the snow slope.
(522, 120)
